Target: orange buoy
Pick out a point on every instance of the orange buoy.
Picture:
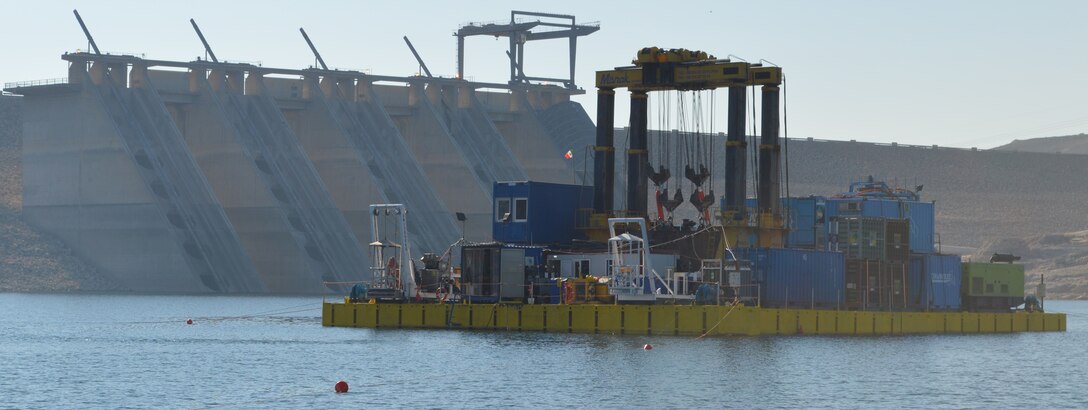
(341, 387)
(189, 322)
(647, 347)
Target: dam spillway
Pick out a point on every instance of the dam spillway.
(221, 177)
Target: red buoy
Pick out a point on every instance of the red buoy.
(648, 347)
(341, 387)
(189, 322)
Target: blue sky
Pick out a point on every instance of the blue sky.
(955, 73)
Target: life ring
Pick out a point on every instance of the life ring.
(569, 293)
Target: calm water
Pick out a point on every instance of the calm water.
(62, 351)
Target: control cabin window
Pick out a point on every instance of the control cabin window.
(581, 268)
(502, 207)
(521, 209)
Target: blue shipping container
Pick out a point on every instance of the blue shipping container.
(806, 223)
(797, 277)
(808, 218)
(538, 212)
(934, 282)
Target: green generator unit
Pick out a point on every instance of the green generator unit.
(992, 286)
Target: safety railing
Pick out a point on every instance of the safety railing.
(114, 53)
(37, 83)
(257, 63)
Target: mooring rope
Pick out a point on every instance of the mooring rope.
(734, 306)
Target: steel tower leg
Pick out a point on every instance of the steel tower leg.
(769, 153)
(460, 57)
(637, 157)
(604, 153)
(736, 165)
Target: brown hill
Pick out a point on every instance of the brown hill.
(1062, 257)
(1069, 144)
(981, 195)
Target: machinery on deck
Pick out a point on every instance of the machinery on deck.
(391, 268)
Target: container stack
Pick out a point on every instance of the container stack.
(876, 251)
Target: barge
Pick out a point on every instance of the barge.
(566, 258)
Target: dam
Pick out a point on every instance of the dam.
(208, 176)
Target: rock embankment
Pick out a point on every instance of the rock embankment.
(32, 260)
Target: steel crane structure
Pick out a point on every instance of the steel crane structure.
(657, 69)
(522, 29)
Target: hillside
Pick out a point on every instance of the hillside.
(980, 194)
(1062, 257)
(1069, 144)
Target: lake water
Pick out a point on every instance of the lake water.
(122, 351)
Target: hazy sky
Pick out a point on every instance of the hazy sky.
(955, 73)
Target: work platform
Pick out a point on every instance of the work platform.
(680, 320)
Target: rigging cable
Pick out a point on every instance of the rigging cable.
(709, 165)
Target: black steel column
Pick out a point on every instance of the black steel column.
(604, 153)
(770, 162)
(637, 157)
(736, 164)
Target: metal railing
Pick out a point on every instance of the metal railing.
(257, 63)
(367, 71)
(114, 53)
(35, 83)
(888, 144)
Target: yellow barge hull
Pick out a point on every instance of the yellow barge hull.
(680, 320)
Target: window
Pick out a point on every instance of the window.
(849, 207)
(521, 210)
(502, 207)
(581, 268)
(553, 269)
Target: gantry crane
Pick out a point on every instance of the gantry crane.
(657, 69)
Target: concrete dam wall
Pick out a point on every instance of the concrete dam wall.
(203, 177)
